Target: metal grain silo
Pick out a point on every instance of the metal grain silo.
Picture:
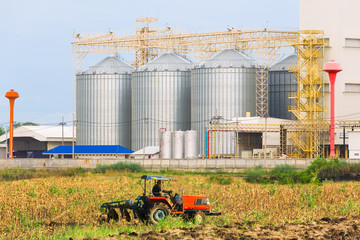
(103, 104)
(281, 82)
(160, 99)
(223, 87)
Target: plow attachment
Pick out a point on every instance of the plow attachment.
(124, 207)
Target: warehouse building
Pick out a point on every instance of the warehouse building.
(32, 141)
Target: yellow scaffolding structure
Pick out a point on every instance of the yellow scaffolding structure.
(291, 127)
(148, 42)
(309, 108)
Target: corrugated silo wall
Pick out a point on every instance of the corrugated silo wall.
(160, 99)
(103, 109)
(281, 83)
(227, 92)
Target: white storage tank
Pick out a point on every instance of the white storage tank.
(179, 144)
(166, 145)
(191, 144)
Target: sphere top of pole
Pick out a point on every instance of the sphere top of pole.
(11, 94)
(332, 67)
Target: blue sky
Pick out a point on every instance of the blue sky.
(36, 36)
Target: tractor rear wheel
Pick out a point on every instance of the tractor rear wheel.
(112, 214)
(199, 217)
(158, 213)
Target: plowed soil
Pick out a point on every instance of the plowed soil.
(323, 229)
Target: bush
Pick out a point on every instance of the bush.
(19, 173)
(256, 175)
(319, 170)
(284, 170)
(70, 172)
(15, 174)
(340, 172)
(221, 180)
(120, 166)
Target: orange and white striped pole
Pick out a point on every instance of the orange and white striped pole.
(11, 95)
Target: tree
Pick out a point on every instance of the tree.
(19, 124)
(16, 125)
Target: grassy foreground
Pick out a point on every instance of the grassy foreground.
(68, 206)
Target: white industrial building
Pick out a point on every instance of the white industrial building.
(340, 20)
(32, 141)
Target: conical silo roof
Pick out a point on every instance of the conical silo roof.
(229, 58)
(110, 65)
(167, 62)
(285, 64)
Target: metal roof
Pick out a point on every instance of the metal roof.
(167, 62)
(156, 177)
(149, 150)
(110, 65)
(228, 58)
(258, 120)
(43, 133)
(285, 64)
(89, 149)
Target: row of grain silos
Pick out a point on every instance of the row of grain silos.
(120, 105)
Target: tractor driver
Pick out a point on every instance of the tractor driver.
(156, 191)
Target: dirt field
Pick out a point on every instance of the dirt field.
(69, 207)
(342, 228)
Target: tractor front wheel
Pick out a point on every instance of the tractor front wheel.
(158, 213)
(199, 217)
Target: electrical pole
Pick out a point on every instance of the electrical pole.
(344, 142)
(6, 143)
(73, 138)
(265, 137)
(144, 122)
(62, 126)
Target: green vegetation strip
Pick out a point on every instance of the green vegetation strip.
(319, 170)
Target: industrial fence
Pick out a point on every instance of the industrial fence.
(157, 164)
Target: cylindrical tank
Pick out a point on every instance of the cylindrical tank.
(282, 82)
(222, 87)
(160, 99)
(179, 144)
(103, 104)
(191, 143)
(166, 145)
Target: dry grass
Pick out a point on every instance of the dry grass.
(28, 208)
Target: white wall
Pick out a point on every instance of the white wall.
(354, 144)
(339, 19)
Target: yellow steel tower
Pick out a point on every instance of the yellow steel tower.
(309, 107)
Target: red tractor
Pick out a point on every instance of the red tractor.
(156, 208)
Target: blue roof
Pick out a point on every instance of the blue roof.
(78, 149)
(157, 177)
